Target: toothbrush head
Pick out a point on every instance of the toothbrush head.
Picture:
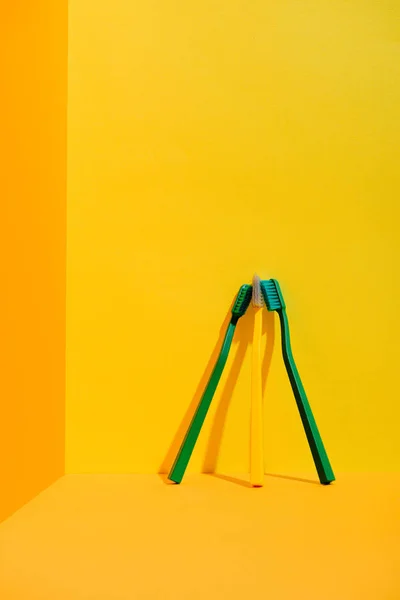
(272, 294)
(242, 301)
(257, 297)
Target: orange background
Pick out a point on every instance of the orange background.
(33, 48)
(206, 140)
(122, 537)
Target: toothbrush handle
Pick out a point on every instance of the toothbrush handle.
(256, 428)
(321, 460)
(185, 452)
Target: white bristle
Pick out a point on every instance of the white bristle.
(257, 297)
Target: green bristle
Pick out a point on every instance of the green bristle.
(242, 301)
(272, 294)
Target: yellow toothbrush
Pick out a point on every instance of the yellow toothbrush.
(256, 428)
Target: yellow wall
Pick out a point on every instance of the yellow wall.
(208, 140)
(33, 46)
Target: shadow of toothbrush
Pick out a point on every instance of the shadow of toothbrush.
(243, 335)
(181, 431)
(289, 478)
(217, 429)
(235, 480)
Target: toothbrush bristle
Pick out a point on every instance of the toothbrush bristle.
(257, 297)
(272, 294)
(242, 301)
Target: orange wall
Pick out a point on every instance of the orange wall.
(33, 45)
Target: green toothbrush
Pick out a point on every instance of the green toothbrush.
(274, 301)
(240, 306)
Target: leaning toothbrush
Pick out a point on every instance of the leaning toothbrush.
(256, 428)
(240, 306)
(274, 301)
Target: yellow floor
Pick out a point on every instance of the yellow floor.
(132, 536)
